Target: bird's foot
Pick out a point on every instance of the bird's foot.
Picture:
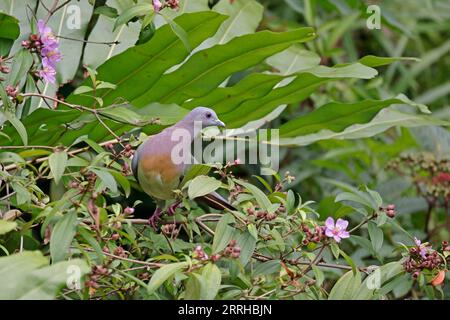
(171, 209)
(153, 220)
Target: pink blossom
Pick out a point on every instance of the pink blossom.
(157, 5)
(50, 53)
(200, 254)
(48, 72)
(336, 231)
(423, 249)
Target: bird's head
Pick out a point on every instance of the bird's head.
(206, 116)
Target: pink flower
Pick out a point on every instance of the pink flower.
(423, 249)
(48, 73)
(336, 231)
(157, 5)
(200, 254)
(50, 53)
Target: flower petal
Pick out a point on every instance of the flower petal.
(417, 241)
(329, 233)
(344, 234)
(341, 224)
(337, 238)
(329, 223)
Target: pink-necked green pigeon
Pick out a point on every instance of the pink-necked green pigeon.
(158, 173)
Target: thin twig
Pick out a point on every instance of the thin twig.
(109, 43)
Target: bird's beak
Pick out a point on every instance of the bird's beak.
(220, 123)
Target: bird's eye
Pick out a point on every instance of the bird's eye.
(208, 115)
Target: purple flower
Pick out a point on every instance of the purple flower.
(157, 5)
(48, 74)
(423, 249)
(50, 53)
(336, 231)
(200, 254)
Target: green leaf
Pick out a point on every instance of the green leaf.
(106, 177)
(179, 31)
(212, 278)
(137, 69)
(123, 115)
(349, 261)
(247, 243)
(376, 236)
(23, 60)
(164, 273)
(62, 236)
(386, 119)
(346, 287)
(107, 11)
(124, 183)
(294, 59)
(7, 226)
(260, 196)
(9, 31)
(26, 276)
(223, 233)
(57, 162)
(335, 117)
(244, 18)
(139, 9)
(377, 279)
(202, 185)
(194, 171)
(374, 61)
(207, 69)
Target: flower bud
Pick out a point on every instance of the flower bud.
(390, 213)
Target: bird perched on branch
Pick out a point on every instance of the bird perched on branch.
(159, 173)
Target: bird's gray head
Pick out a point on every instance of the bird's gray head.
(206, 116)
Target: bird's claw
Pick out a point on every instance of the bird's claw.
(171, 209)
(153, 220)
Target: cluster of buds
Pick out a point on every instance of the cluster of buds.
(262, 214)
(33, 44)
(390, 210)
(170, 229)
(314, 235)
(96, 273)
(199, 254)
(235, 191)
(119, 251)
(430, 174)
(232, 250)
(3, 67)
(422, 257)
(12, 92)
(172, 4)
(126, 152)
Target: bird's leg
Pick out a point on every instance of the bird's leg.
(153, 220)
(171, 209)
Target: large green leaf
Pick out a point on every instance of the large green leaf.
(346, 287)
(137, 69)
(386, 119)
(207, 69)
(164, 273)
(202, 185)
(244, 18)
(26, 275)
(62, 236)
(9, 31)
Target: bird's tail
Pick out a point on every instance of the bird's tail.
(215, 201)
